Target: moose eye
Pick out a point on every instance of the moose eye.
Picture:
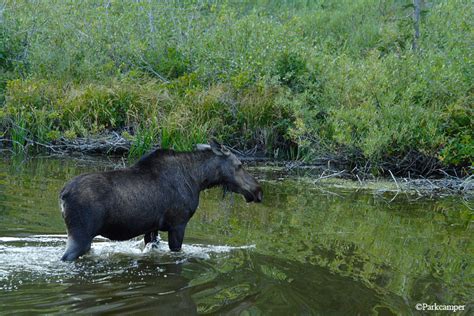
(239, 167)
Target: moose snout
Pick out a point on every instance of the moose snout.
(253, 195)
(258, 195)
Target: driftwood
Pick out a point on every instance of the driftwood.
(106, 143)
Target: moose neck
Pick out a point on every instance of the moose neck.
(205, 170)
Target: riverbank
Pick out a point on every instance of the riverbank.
(328, 178)
(348, 163)
(325, 174)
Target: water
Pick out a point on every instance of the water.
(307, 249)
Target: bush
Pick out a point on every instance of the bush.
(290, 68)
(458, 122)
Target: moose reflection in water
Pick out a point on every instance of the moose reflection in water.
(160, 192)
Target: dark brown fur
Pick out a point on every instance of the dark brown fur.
(160, 192)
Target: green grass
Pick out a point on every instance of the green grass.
(296, 79)
(19, 137)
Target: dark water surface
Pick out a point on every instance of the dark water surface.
(306, 249)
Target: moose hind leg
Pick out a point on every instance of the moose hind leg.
(151, 237)
(175, 237)
(75, 248)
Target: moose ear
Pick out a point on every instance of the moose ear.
(202, 146)
(218, 148)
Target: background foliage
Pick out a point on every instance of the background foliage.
(297, 79)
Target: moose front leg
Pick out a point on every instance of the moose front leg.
(175, 237)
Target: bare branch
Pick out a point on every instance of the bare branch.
(416, 23)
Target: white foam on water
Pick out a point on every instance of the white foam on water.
(193, 250)
(41, 253)
(42, 238)
(38, 239)
(131, 247)
(200, 250)
(36, 259)
(135, 248)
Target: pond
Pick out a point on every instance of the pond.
(307, 249)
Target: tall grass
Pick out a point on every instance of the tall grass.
(19, 136)
(143, 140)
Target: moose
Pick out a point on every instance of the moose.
(159, 193)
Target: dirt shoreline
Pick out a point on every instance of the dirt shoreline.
(323, 170)
(419, 186)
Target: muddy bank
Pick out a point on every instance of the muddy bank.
(328, 178)
(350, 163)
(325, 173)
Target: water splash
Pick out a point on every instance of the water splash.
(39, 254)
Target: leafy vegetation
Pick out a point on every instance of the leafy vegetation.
(296, 79)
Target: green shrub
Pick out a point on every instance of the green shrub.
(168, 62)
(458, 122)
(290, 68)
